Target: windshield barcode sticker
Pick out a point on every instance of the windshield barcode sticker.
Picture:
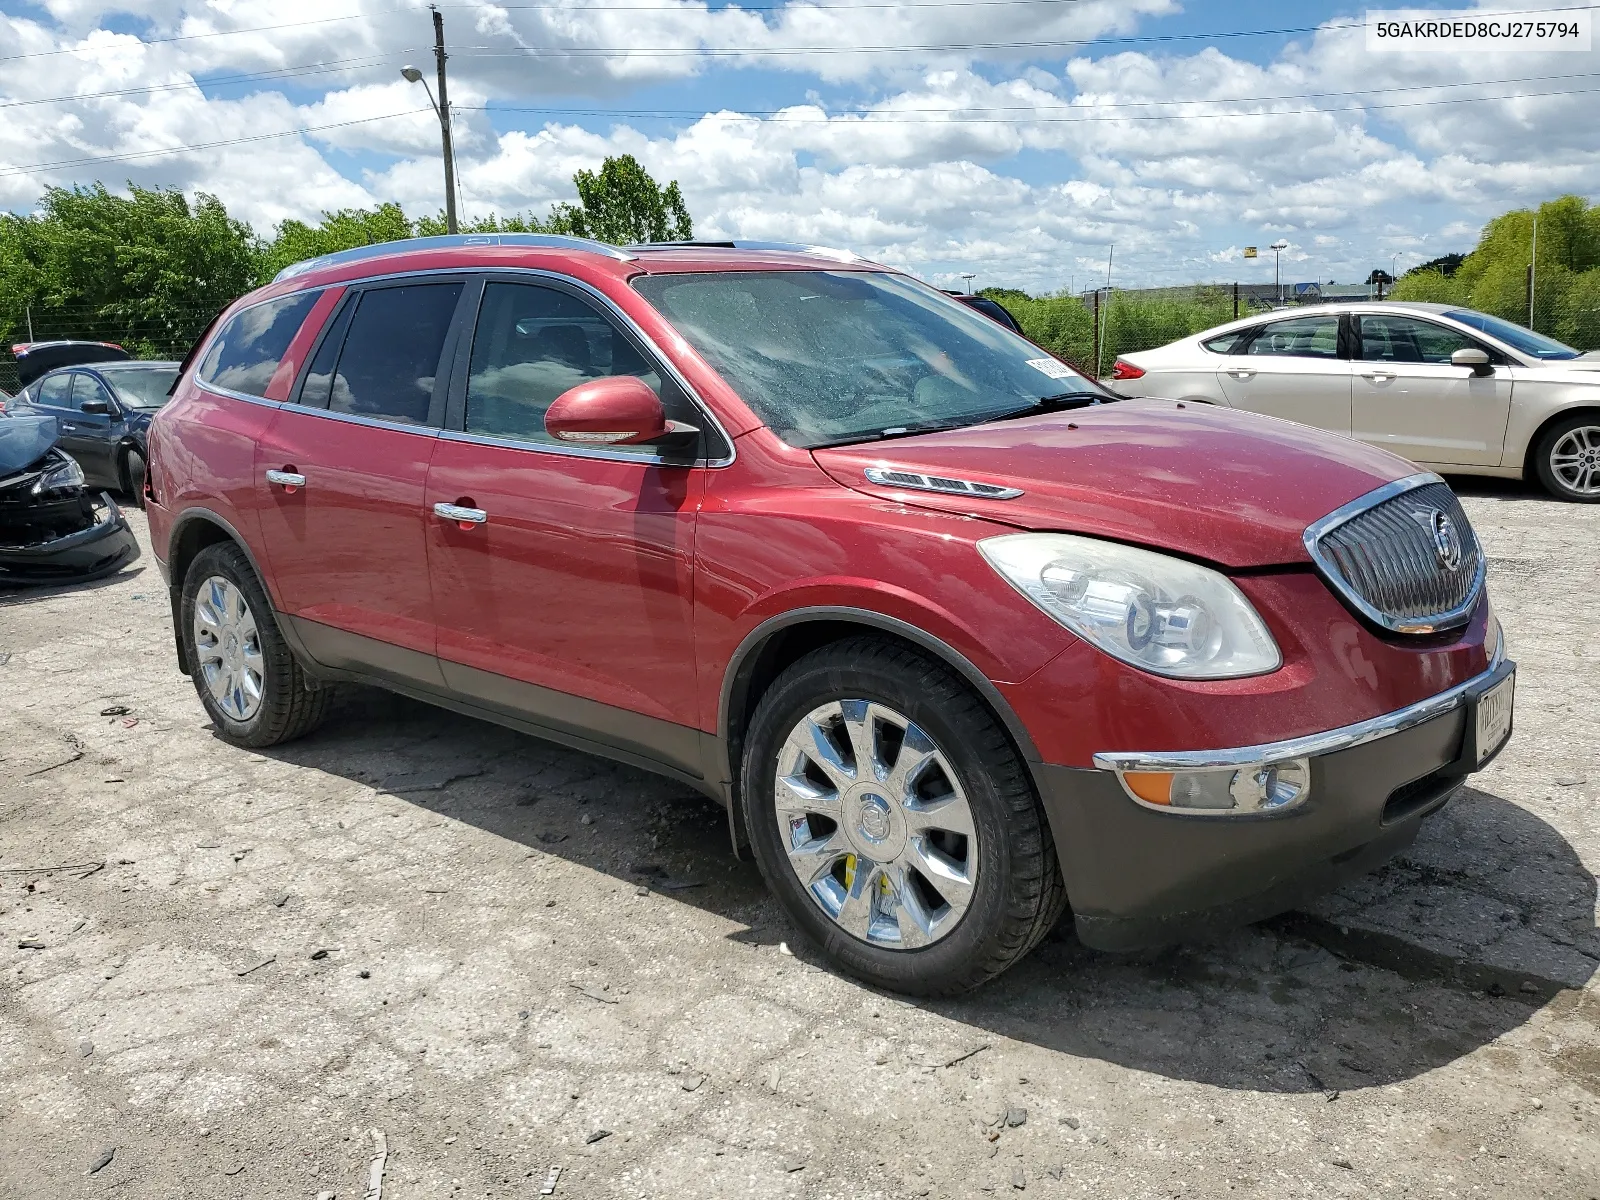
(1050, 367)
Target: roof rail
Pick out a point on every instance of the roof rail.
(784, 247)
(530, 241)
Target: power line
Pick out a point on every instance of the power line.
(869, 118)
(778, 8)
(1084, 108)
(337, 64)
(492, 51)
(874, 117)
(374, 60)
(561, 8)
(191, 37)
(262, 137)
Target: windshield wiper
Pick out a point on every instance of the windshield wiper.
(899, 431)
(1050, 404)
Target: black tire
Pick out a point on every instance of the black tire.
(1545, 446)
(1019, 895)
(133, 470)
(288, 708)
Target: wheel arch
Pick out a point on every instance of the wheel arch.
(1530, 466)
(782, 639)
(192, 532)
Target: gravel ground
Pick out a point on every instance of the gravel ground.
(509, 957)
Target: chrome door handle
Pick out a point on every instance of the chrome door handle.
(1241, 372)
(458, 514)
(69, 429)
(286, 479)
(1378, 376)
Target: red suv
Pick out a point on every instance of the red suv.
(957, 642)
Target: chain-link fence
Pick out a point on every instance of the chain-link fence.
(168, 336)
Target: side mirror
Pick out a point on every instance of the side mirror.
(1471, 356)
(97, 407)
(617, 410)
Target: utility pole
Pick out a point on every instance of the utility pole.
(444, 125)
(1533, 259)
(1097, 333)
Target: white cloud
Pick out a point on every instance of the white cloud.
(1024, 165)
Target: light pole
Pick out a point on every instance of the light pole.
(441, 107)
(1394, 264)
(1277, 248)
(969, 277)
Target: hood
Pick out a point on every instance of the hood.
(36, 358)
(1212, 483)
(25, 438)
(1584, 362)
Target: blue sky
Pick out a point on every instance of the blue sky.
(1147, 124)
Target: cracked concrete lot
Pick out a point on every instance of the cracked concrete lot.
(494, 950)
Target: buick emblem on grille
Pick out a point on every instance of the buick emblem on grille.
(1447, 546)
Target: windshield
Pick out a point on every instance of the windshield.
(1512, 335)
(825, 357)
(142, 387)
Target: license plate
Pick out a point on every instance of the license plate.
(1494, 716)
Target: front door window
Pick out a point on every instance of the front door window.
(534, 343)
(1408, 340)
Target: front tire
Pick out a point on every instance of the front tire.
(248, 680)
(1567, 458)
(895, 821)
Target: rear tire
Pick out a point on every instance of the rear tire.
(133, 470)
(812, 863)
(248, 679)
(1567, 458)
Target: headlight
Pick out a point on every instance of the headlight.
(64, 478)
(1160, 614)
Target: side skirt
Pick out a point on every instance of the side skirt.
(678, 752)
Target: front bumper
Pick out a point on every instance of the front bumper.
(100, 550)
(1140, 877)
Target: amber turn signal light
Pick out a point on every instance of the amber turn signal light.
(1153, 787)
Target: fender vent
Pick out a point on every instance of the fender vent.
(890, 477)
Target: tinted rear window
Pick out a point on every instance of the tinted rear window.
(390, 358)
(245, 355)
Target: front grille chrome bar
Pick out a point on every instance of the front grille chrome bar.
(1404, 556)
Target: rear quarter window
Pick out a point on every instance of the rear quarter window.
(245, 353)
(1224, 343)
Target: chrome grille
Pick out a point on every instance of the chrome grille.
(1405, 556)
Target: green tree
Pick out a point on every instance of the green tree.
(1004, 295)
(1432, 286)
(148, 269)
(346, 229)
(621, 204)
(1494, 277)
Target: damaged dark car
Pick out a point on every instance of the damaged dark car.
(52, 529)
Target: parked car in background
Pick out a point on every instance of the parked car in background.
(36, 358)
(1451, 389)
(955, 642)
(992, 309)
(53, 529)
(102, 414)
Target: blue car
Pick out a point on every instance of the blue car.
(102, 412)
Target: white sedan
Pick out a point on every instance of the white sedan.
(1449, 388)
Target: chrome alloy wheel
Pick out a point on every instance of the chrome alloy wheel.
(876, 825)
(1575, 460)
(228, 648)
